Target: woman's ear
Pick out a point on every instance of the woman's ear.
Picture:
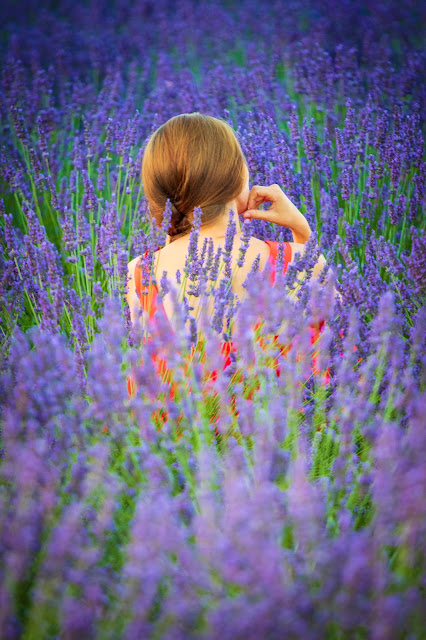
(242, 202)
(242, 198)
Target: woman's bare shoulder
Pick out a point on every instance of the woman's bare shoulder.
(258, 242)
(297, 247)
(259, 245)
(255, 248)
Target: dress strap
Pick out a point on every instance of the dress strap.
(138, 277)
(273, 256)
(147, 294)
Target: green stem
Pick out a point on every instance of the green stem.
(23, 217)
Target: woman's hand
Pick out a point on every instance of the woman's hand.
(282, 211)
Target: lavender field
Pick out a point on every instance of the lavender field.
(284, 496)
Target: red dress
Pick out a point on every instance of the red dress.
(150, 303)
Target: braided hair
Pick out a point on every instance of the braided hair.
(194, 160)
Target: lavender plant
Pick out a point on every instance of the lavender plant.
(281, 495)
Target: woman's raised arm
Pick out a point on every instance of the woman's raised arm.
(284, 213)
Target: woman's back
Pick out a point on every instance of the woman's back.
(173, 257)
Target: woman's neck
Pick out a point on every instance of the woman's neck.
(217, 229)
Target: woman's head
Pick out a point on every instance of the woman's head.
(194, 160)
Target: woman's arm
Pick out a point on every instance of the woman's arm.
(284, 213)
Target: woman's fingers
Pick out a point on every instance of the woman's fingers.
(282, 211)
(258, 214)
(259, 194)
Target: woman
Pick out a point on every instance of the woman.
(195, 160)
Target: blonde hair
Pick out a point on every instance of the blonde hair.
(194, 160)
